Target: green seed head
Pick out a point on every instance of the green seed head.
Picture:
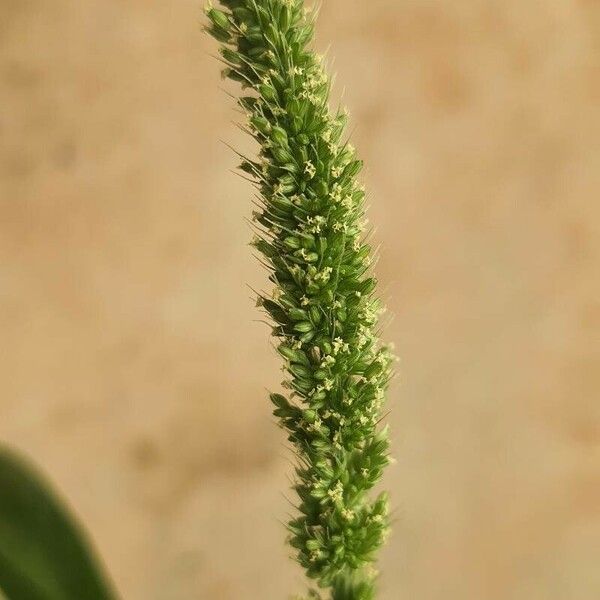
(310, 228)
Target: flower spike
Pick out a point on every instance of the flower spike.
(323, 308)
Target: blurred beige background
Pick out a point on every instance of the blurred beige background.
(133, 367)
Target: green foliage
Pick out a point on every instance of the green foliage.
(310, 229)
(43, 554)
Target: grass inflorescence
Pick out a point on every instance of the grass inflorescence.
(311, 231)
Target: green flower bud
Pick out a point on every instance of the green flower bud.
(297, 314)
(303, 326)
(309, 415)
(218, 18)
(230, 55)
(292, 242)
(279, 136)
(300, 371)
(268, 92)
(261, 124)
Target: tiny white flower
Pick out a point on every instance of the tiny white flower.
(310, 169)
(348, 514)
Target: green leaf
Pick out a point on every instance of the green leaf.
(43, 553)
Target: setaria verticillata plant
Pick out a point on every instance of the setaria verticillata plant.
(310, 230)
